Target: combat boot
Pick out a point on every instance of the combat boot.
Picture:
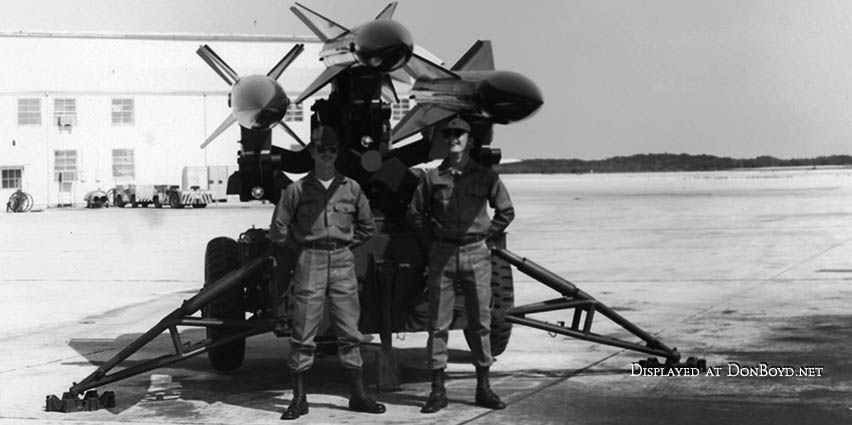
(438, 397)
(359, 400)
(299, 404)
(484, 396)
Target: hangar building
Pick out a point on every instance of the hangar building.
(80, 112)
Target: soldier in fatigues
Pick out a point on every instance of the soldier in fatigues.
(326, 214)
(449, 208)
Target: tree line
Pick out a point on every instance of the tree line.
(661, 162)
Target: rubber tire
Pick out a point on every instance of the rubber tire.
(222, 257)
(174, 202)
(502, 299)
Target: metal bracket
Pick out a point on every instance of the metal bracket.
(585, 309)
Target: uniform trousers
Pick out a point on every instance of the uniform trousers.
(469, 266)
(322, 275)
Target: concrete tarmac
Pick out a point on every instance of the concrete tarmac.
(750, 270)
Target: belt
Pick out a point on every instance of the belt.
(464, 240)
(325, 245)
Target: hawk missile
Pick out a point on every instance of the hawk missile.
(382, 45)
(256, 101)
(471, 88)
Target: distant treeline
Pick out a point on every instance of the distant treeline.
(659, 162)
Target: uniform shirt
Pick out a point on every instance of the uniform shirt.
(308, 212)
(455, 205)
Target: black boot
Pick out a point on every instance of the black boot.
(299, 404)
(438, 397)
(359, 400)
(484, 396)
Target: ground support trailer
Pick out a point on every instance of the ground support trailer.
(245, 294)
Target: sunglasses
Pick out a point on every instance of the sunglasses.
(453, 133)
(324, 149)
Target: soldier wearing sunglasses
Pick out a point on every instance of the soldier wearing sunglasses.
(325, 214)
(449, 208)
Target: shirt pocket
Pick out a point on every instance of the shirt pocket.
(342, 215)
(477, 190)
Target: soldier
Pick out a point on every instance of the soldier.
(325, 214)
(449, 208)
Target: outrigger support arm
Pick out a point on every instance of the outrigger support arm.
(182, 316)
(580, 327)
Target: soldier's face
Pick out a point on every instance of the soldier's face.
(325, 154)
(457, 140)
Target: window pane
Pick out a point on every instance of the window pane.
(65, 166)
(29, 111)
(11, 178)
(122, 111)
(122, 163)
(65, 110)
(294, 113)
(398, 110)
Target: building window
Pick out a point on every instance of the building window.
(294, 113)
(122, 112)
(122, 163)
(398, 110)
(65, 166)
(11, 178)
(29, 111)
(65, 112)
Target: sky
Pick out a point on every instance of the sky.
(735, 78)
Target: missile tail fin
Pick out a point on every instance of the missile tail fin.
(419, 118)
(479, 57)
(321, 81)
(219, 130)
(291, 132)
(387, 12)
(226, 72)
(420, 67)
(388, 90)
(282, 65)
(324, 28)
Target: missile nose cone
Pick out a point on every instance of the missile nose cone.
(508, 96)
(384, 45)
(258, 101)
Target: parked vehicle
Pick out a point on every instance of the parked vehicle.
(97, 199)
(172, 195)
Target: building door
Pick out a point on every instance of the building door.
(65, 174)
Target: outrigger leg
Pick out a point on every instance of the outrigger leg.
(581, 327)
(182, 316)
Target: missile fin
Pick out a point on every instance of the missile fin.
(405, 77)
(420, 67)
(226, 72)
(479, 57)
(388, 90)
(291, 132)
(324, 28)
(219, 130)
(419, 118)
(321, 81)
(282, 65)
(387, 12)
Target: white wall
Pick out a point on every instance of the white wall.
(178, 101)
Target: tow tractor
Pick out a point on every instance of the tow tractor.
(158, 195)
